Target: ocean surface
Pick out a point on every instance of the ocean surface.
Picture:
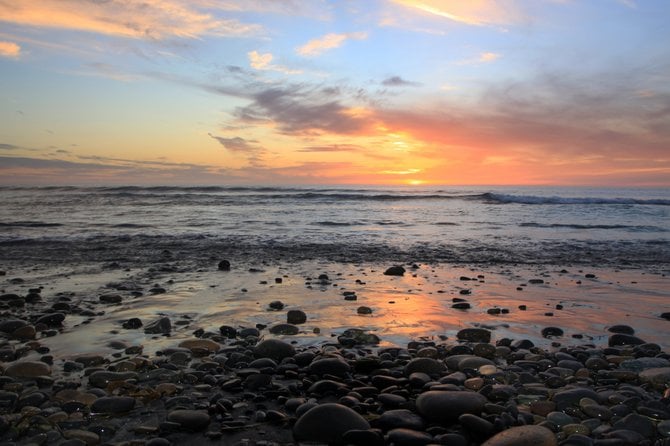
(454, 224)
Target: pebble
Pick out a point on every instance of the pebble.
(474, 335)
(408, 437)
(190, 420)
(395, 271)
(206, 345)
(425, 365)
(397, 418)
(160, 326)
(113, 405)
(327, 423)
(284, 329)
(330, 366)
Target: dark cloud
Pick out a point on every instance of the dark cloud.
(8, 147)
(238, 144)
(297, 109)
(397, 81)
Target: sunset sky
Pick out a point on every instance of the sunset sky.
(401, 92)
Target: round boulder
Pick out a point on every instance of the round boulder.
(523, 436)
(446, 406)
(326, 423)
(28, 369)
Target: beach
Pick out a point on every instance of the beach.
(163, 325)
(181, 351)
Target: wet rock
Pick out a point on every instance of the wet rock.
(224, 265)
(395, 271)
(190, 420)
(25, 332)
(27, 369)
(111, 299)
(428, 366)
(571, 397)
(113, 404)
(103, 378)
(658, 377)
(274, 349)
(276, 305)
(330, 366)
(160, 326)
(10, 325)
(364, 310)
(625, 329)
(296, 317)
(474, 335)
(206, 345)
(408, 437)
(551, 332)
(523, 436)
(327, 423)
(284, 329)
(355, 336)
(624, 339)
(447, 406)
(228, 331)
(132, 323)
(400, 418)
(51, 319)
(637, 423)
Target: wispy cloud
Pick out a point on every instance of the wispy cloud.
(397, 81)
(9, 49)
(482, 58)
(316, 47)
(238, 144)
(148, 19)
(476, 12)
(332, 148)
(263, 62)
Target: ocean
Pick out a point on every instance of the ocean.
(608, 227)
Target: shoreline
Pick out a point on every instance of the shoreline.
(411, 316)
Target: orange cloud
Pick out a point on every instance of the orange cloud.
(9, 49)
(263, 61)
(471, 12)
(330, 41)
(153, 19)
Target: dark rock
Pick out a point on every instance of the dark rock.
(330, 366)
(327, 423)
(397, 418)
(274, 349)
(551, 332)
(190, 420)
(658, 377)
(51, 319)
(461, 306)
(276, 305)
(478, 427)
(228, 331)
(428, 366)
(666, 315)
(625, 329)
(474, 335)
(27, 369)
(10, 325)
(224, 265)
(395, 271)
(571, 397)
(113, 404)
(284, 329)
(624, 339)
(358, 437)
(296, 317)
(132, 323)
(111, 298)
(160, 326)
(447, 406)
(637, 423)
(408, 437)
(355, 336)
(364, 310)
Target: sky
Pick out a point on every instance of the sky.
(309, 92)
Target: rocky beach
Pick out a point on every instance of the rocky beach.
(248, 352)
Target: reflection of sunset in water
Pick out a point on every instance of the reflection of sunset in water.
(413, 307)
